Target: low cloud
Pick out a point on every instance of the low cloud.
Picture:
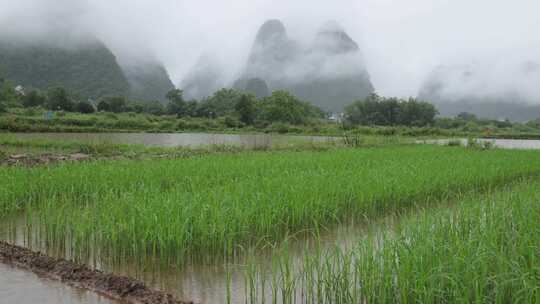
(402, 42)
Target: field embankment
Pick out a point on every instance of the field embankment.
(117, 287)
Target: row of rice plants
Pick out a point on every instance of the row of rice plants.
(485, 249)
(175, 209)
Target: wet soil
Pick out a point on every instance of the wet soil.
(43, 159)
(116, 287)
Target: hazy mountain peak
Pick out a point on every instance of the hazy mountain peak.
(203, 79)
(332, 37)
(272, 51)
(271, 30)
(331, 26)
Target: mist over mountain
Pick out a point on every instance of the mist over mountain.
(148, 80)
(255, 86)
(485, 90)
(204, 78)
(80, 62)
(329, 71)
(88, 67)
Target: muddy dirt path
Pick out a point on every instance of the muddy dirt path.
(121, 288)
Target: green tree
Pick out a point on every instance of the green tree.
(366, 111)
(154, 108)
(222, 103)
(246, 108)
(33, 99)
(85, 107)
(192, 107)
(283, 106)
(381, 111)
(416, 113)
(177, 105)
(466, 116)
(8, 95)
(115, 104)
(58, 99)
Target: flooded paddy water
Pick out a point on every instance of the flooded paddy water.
(213, 279)
(22, 287)
(178, 139)
(519, 144)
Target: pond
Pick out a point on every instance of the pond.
(178, 139)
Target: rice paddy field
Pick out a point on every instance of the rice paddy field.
(485, 248)
(463, 222)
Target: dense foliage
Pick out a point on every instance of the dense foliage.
(280, 107)
(91, 69)
(382, 111)
(229, 109)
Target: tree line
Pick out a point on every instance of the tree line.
(280, 106)
(383, 111)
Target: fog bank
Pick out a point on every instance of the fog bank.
(402, 42)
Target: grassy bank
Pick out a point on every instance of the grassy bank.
(35, 120)
(36, 147)
(215, 203)
(484, 249)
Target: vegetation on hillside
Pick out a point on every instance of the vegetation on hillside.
(90, 70)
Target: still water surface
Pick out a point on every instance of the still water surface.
(521, 144)
(208, 281)
(178, 139)
(22, 287)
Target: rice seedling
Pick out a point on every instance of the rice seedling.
(175, 210)
(485, 249)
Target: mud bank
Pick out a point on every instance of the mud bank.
(121, 288)
(44, 159)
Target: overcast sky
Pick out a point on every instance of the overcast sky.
(402, 40)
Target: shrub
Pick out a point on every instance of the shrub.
(33, 99)
(85, 107)
(232, 122)
(382, 111)
(278, 127)
(454, 143)
(284, 107)
(58, 99)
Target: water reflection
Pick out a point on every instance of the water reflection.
(22, 287)
(214, 280)
(178, 139)
(523, 144)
